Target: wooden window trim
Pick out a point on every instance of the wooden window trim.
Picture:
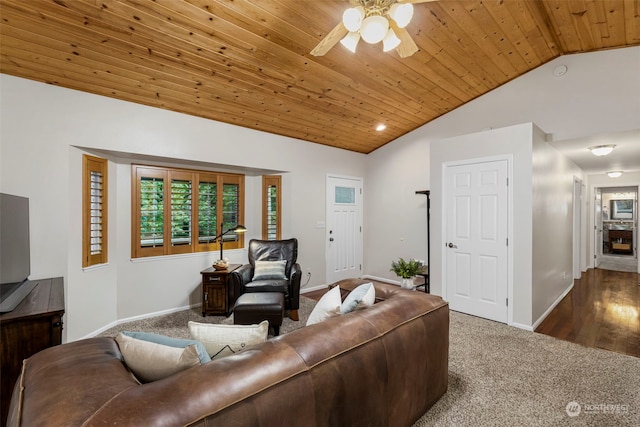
(271, 181)
(94, 164)
(195, 176)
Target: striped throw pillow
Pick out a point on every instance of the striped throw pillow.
(269, 270)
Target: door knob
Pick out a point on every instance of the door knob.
(331, 239)
(451, 245)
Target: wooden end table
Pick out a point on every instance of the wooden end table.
(218, 296)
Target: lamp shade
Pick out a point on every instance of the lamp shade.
(374, 28)
(352, 18)
(602, 150)
(401, 13)
(390, 41)
(350, 41)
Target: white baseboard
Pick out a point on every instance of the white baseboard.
(312, 288)
(551, 307)
(522, 326)
(381, 279)
(140, 317)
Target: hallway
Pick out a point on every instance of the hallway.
(602, 310)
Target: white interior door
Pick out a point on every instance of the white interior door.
(344, 228)
(476, 230)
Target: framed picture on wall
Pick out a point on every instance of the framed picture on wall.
(622, 209)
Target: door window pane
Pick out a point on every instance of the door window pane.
(345, 195)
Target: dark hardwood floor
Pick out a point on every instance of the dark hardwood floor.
(602, 311)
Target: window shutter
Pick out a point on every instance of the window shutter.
(94, 206)
(149, 230)
(271, 202)
(207, 210)
(232, 208)
(181, 212)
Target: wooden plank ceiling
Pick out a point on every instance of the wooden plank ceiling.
(247, 62)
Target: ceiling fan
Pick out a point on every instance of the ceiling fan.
(374, 21)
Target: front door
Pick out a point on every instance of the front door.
(343, 228)
(476, 230)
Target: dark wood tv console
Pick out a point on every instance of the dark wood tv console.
(35, 324)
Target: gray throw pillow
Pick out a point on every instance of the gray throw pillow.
(269, 270)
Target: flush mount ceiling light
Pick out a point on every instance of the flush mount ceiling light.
(602, 150)
(381, 127)
(614, 174)
(374, 21)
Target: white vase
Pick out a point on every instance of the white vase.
(407, 283)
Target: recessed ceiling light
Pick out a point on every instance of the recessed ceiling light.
(602, 150)
(381, 127)
(614, 174)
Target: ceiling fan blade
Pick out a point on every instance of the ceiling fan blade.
(330, 40)
(407, 46)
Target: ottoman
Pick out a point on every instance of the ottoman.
(254, 307)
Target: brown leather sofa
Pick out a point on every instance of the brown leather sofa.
(385, 365)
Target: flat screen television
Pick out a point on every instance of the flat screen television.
(15, 255)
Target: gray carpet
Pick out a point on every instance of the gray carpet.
(499, 375)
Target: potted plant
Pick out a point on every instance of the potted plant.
(407, 270)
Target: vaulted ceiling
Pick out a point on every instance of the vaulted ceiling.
(247, 62)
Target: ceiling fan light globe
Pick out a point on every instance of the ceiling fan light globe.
(350, 41)
(352, 18)
(390, 41)
(401, 13)
(374, 28)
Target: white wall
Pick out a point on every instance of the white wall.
(552, 261)
(46, 129)
(513, 141)
(599, 94)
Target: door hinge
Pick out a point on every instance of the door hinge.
(360, 267)
(507, 182)
(507, 302)
(361, 229)
(507, 241)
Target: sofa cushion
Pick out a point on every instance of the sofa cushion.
(151, 361)
(361, 297)
(328, 306)
(265, 270)
(171, 342)
(225, 340)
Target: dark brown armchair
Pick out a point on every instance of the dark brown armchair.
(273, 267)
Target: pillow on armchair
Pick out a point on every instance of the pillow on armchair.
(270, 270)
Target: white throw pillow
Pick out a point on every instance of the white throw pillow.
(225, 340)
(150, 361)
(273, 270)
(361, 297)
(328, 306)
